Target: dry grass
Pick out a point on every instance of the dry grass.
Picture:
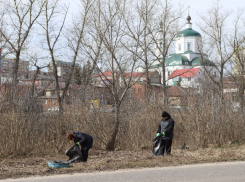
(30, 140)
(99, 160)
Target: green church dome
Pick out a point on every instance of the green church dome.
(188, 33)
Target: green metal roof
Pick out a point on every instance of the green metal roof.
(188, 32)
(177, 59)
(198, 61)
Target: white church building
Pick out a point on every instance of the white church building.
(187, 66)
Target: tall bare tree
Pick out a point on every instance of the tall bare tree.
(115, 55)
(238, 40)
(76, 39)
(214, 26)
(54, 35)
(18, 21)
(139, 33)
(169, 28)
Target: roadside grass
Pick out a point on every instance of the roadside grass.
(99, 160)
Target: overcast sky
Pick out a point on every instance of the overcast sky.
(202, 6)
(196, 7)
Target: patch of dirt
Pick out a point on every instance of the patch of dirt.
(24, 166)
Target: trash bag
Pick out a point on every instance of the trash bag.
(157, 145)
(74, 154)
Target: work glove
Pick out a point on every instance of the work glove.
(163, 133)
(158, 134)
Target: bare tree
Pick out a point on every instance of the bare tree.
(75, 41)
(112, 44)
(169, 28)
(74, 38)
(53, 35)
(139, 33)
(214, 26)
(91, 46)
(238, 40)
(18, 21)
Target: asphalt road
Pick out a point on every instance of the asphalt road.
(212, 172)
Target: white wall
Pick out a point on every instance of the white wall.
(194, 40)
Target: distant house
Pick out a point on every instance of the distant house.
(45, 88)
(103, 79)
(186, 77)
(231, 90)
(177, 96)
(137, 89)
(21, 90)
(154, 77)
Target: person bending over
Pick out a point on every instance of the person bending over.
(84, 140)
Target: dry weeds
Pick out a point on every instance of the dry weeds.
(24, 166)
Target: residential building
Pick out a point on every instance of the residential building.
(138, 84)
(103, 79)
(233, 90)
(63, 68)
(7, 69)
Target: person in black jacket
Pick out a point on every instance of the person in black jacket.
(166, 128)
(84, 140)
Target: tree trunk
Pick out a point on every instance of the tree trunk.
(111, 143)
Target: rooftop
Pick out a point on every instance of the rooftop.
(184, 73)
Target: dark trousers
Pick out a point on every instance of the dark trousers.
(84, 154)
(166, 146)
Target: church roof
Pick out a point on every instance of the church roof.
(177, 59)
(188, 32)
(198, 61)
(184, 73)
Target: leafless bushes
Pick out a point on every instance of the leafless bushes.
(203, 124)
(207, 123)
